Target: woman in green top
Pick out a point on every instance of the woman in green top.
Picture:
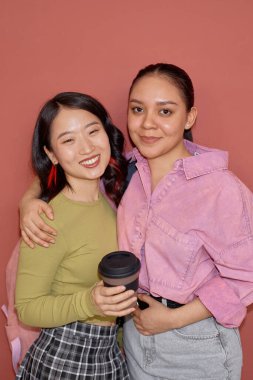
(74, 145)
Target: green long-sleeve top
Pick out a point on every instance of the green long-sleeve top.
(54, 284)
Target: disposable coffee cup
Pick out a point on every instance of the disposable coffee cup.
(120, 268)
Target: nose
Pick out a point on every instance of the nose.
(148, 121)
(86, 146)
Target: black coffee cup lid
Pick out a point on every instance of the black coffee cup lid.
(119, 264)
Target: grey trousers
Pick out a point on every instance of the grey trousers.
(201, 351)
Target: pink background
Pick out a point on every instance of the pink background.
(97, 47)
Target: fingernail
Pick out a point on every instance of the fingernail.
(52, 241)
(45, 245)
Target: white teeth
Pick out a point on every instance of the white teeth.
(91, 161)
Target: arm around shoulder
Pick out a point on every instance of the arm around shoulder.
(33, 228)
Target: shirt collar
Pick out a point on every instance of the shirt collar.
(203, 160)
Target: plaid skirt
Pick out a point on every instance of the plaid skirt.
(75, 351)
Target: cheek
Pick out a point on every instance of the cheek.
(64, 156)
(133, 126)
(172, 128)
(106, 147)
(168, 129)
(133, 122)
(132, 134)
(108, 155)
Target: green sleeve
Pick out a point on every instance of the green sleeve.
(35, 303)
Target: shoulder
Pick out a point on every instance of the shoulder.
(60, 209)
(222, 188)
(65, 212)
(227, 182)
(236, 191)
(107, 206)
(231, 199)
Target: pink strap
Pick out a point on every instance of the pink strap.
(5, 311)
(16, 353)
(15, 345)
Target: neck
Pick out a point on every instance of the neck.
(83, 191)
(162, 165)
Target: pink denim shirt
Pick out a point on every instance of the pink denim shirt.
(193, 234)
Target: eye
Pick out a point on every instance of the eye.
(67, 141)
(137, 109)
(165, 112)
(93, 131)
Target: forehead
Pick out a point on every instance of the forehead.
(66, 114)
(156, 87)
(69, 118)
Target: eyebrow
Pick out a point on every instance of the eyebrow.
(159, 103)
(85, 126)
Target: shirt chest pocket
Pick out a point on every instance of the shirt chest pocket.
(173, 255)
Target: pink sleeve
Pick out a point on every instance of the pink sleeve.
(231, 248)
(229, 313)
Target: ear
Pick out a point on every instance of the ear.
(51, 156)
(191, 117)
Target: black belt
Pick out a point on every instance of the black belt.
(169, 303)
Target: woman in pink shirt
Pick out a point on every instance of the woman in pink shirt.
(190, 222)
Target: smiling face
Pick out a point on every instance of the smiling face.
(80, 145)
(157, 118)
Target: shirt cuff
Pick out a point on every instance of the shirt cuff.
(222, 302)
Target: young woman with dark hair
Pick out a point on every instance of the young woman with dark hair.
(190, 221)
(74, 145)
(115, 173)
(180, 79)
(192, 227)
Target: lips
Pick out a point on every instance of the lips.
(149, 139)
(91, 162)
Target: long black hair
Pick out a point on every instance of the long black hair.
(178, 77)
(115, 174)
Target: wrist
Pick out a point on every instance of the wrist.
(93, 306)
(23, 201)
(175, 317)
(32, 193)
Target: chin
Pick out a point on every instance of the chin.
(148, 153)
